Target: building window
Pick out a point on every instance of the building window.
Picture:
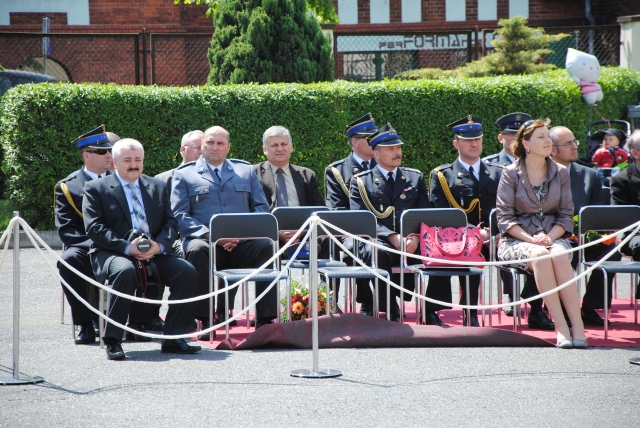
(348, 11)
(487, 10)
(519, 7)
(411, 10)
(456, 10)
(379, 11)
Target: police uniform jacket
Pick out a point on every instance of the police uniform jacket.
(409, 191)
(498, 159)
(69, 222)
(304, 180)
(337, 181)
(197, 194)
(464, 189)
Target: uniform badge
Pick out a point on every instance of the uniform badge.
(403, 196)
(486, 172)
(459, 174)
(229, 168)
(355, 170)
(518, 117)
(200, 169)
(377, 180)
(402, 177)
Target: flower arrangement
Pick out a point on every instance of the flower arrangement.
(300, 301)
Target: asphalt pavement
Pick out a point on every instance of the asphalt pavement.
(379, 387)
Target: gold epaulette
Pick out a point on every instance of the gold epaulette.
(452, 201)
(67, 194)
(340, 180)
(363, 194)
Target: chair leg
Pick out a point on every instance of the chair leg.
(466, 285)
(376, 313)
(634, 281)
(278, 307)
(499, 282)
(226, 308)
(490, 296)
(288, 285)
(515, 281)
(62, 309)
(606, 309)
(482, 296)
(388, 308)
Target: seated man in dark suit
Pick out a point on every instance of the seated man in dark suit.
(625, 191)
(115, 205)
(95, 150)
(586, 189)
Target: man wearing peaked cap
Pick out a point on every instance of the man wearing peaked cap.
(387, 191)
(95, 151)
(509, 125)
(471, 185)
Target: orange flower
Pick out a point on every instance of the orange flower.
(610, 240)
(297, 308)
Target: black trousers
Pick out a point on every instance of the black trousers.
(79, 259)
(361, 283)
(594, 296)
(178, 274)
(247, 254)
(632, 248)
(386, 260)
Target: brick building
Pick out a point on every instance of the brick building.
(375, 38)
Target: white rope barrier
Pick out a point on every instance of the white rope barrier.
(454, 305)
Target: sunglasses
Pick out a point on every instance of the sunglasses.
(100, 152)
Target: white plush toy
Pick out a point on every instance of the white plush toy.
(585, 71)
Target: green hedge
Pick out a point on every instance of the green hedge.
(40, 121)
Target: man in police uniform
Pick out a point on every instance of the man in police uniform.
(95, 150)
(509, 125)
(213, 185)
(387, 190)
(471, 185)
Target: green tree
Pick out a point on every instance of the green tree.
(519, 49)
(322, 9)
(264, 41)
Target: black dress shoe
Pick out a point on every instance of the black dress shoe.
(591, 317)
(86, 336)
(263, 321)
(206, 336)
(156, 324)
(395, 315)
(233, 323)
(366, 308)
(96, 326)
(115, 351)
(136, 337)
(432, 318)
(473, 319)
(540, 321)
(178, 346)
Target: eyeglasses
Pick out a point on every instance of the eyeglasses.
(569, 144)
(99, 152)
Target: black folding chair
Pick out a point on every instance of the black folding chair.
(606, 195)
(362, 224)
(248, 226)
(292, 218)
(410, 222)
(515, 273)
(608, 219)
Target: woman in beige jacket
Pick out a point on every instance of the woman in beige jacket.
(535, 215)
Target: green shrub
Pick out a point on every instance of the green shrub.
(40, 121)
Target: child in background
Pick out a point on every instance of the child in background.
(610, 154)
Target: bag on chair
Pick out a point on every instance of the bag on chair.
(463, 244)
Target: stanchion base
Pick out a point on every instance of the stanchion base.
(321, 373)
(635, 360)
(21, 380)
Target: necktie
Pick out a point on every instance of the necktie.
(472, 174)
(138, 211)
(365, 165)
(281, 189)
(99, 176)
(390, 179)
(217, 174)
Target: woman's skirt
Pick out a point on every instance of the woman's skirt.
(510, 249)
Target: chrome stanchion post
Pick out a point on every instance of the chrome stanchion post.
(313, 308)
(17, 378)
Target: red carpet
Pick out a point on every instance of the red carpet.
(357, 331)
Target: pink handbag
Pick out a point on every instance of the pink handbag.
(461, 244)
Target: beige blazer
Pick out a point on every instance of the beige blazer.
(517, 204)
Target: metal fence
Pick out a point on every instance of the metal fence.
(366, 57)
(179, 59)
(601, 41)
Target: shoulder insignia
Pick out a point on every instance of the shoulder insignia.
(491, 163)
(411, 169)
(442, 167)
(338, 162)
(186, 164)
(239, 161)
(67, 195)
(363, 173)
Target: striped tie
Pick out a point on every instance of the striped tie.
(138, 211)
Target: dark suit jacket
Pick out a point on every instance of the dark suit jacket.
(303, 178)
(625, 187)
(107, 218)
(337, 197)
(69, 223)
(586, 187)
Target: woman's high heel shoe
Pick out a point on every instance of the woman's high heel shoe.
(565, 343)
(580, 344)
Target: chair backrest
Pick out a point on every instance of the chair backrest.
(442, 217)
(243, 226)
(360, 223)
(292, 218)
(606, 195)
(607, 218)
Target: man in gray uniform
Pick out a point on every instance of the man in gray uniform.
(213, 185)
(509, 125)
